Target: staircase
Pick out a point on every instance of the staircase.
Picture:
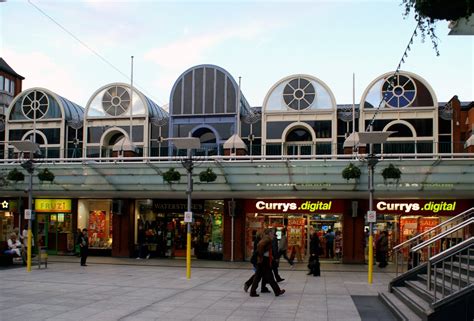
(440, 288)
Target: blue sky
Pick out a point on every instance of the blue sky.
(261, 41)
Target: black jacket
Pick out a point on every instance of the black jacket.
(314, 245)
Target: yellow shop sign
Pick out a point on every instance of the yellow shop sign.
(52, 205)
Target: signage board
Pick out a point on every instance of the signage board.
(53, 205)
(371, 216)
(28, 214)
(188, 217)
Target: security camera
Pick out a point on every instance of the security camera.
(26, 191)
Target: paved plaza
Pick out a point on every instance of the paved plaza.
(129, 289)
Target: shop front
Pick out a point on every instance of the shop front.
(96, 216)
(53, 225)
(404, 219)
(161, 230)
(8, 217)
(299, 218)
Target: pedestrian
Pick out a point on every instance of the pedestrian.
(276, 258)
(329, 243)
(381, 249)
(314, 251)
(253, 260)
(338, 245)
(283, 247)
(264, 266)
(84, 246)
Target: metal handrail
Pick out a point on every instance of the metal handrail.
(413, 239)
(448, 256)
(452, 250)
(442, 235)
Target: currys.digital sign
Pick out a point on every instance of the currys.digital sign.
(294, 206)
(446, 207)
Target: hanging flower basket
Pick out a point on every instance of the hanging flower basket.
(15, 175)
(207, 176)
(442, 9)
(391, 172)
(351, 172)
(46, 175)
(171, 175)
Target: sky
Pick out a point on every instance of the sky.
(259, 41)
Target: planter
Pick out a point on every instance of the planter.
(207, 176)
(351, 172)
(15, 175)
(391, 172)
(46, 175)
(171, 175)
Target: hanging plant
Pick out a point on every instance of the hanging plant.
(171, 175)
(15, 175)
(351, 172)
(391, 172)
(46, 175)
(207, 176)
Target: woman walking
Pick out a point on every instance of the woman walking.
(313, 265)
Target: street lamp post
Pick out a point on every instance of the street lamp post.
(369, 138)
(188, 143)
(30, 148)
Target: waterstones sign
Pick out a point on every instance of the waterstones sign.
(418, 207)
(294, 206)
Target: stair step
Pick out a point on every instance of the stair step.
(420, 289)
(423, 279)
(400, 310)
(455, 279)
(465, 268)
(416, 303)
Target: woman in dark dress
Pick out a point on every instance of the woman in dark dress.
(313, 265)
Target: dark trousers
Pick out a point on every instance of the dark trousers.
(314, 266)
(264, 271)
(84, 253)
(282, 253)
(330, 250)
(382, 258)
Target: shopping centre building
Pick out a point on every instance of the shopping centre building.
(277, 165)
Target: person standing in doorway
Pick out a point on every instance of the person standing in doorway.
(84, 246)
(313, 264)
(329, 244)
(381, 249)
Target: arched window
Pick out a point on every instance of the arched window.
(299, 142)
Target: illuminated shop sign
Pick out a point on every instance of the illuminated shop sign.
(4, 205)
(409, 207)
(300, 205)
(53, 205)
(178, 206)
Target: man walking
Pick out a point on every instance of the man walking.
(283, 247)
(264, 268)
(84, 246)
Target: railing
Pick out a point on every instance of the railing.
(449, 256)
(430, 243)
(413, 150)
(407, 246)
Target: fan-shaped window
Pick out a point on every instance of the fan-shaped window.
(116, 101)
(400, 130)
(399, 91)
(205, 135)
(299, 135)
(299, 94)
(35, 105)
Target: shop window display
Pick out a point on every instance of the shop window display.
(164, 232)
(6, 225)
(96, 217)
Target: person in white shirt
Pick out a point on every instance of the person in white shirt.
(14, 245)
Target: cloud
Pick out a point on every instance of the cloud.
(40, 70)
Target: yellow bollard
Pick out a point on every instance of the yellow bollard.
(188, 256)
(371, 258)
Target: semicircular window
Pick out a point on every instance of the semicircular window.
(299, 94)
(299, 135)
(35, 105)
(116, 100)
(399, 91)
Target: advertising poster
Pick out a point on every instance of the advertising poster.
(408, 229)
(96, 227)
